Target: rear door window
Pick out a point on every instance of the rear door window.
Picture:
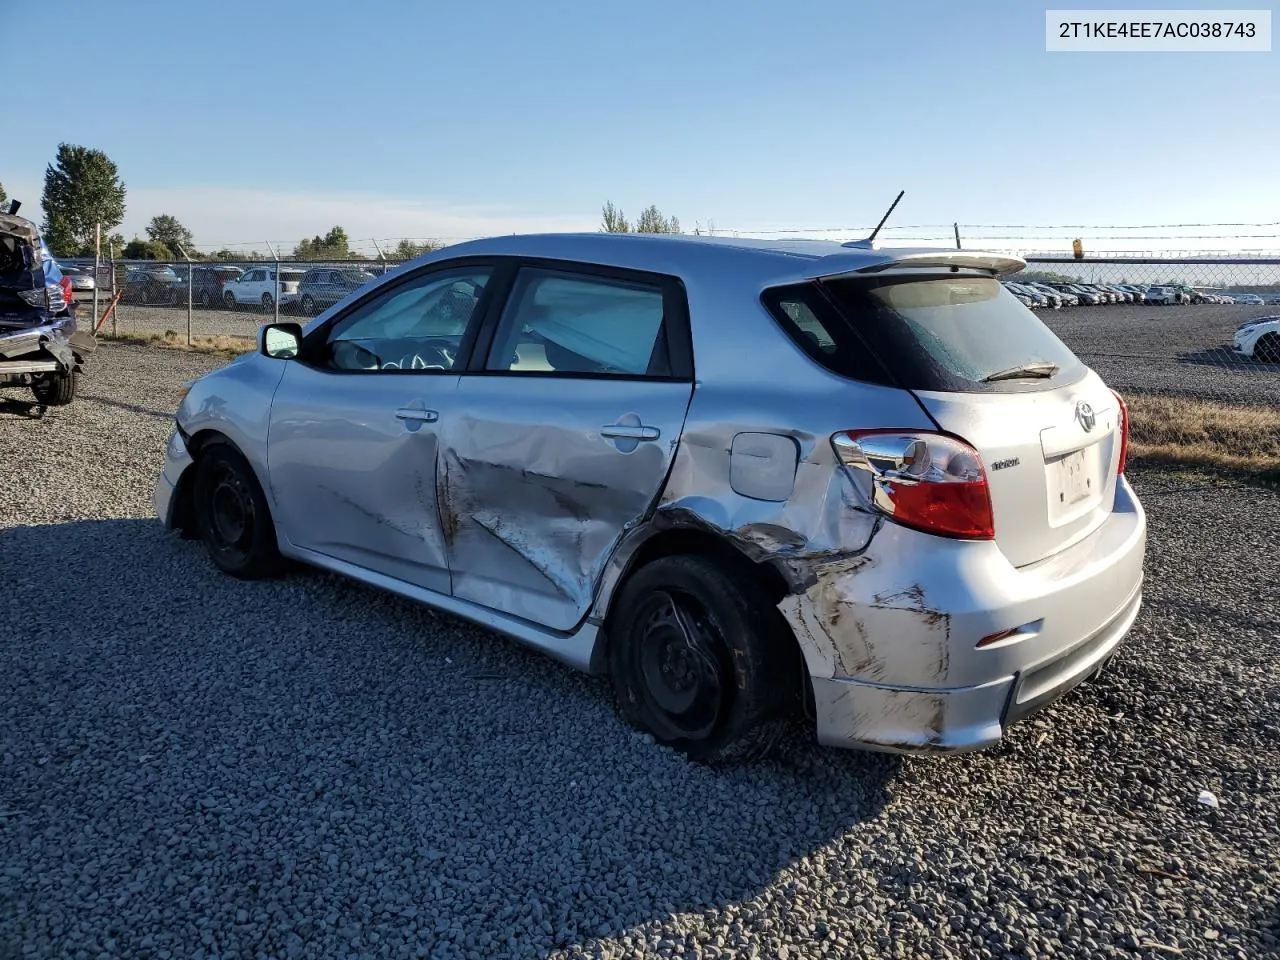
(568, 323)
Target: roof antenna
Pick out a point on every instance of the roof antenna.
(870, 241)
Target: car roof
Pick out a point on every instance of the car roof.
(778, 261)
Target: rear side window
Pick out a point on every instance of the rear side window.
(956, 334)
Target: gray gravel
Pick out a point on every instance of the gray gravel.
(1177, 351)
(195, 767)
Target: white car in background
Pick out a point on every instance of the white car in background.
(1163, 295)
(1259, 338)
(257, 285)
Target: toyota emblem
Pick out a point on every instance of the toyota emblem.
(1086, 416)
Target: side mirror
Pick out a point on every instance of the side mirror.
(280, 341)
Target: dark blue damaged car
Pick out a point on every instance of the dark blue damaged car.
(39, 345)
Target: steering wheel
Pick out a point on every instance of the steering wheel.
(444, 351)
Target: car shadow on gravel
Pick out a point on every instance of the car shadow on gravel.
(370, 769)
(1227, 359)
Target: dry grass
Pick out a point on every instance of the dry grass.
(1205, 434)
(221, 346)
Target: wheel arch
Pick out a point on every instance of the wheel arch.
(183, 512)
(696, 540)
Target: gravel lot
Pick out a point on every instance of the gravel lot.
(1184, 351)
(192, 766)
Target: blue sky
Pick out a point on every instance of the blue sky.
(451, 119)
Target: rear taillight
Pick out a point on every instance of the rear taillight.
(67, 294)
(927, 481)
(1124, 433)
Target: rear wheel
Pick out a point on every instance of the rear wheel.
(232, 516)
(1267, 349)
(308, 306)
(206, 300)
(56, 389)
(700, 661)
(268, 304)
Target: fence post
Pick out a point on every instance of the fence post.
(97, 268)
(956, 227)
(191, 289)
(114, 330)
(279, 283)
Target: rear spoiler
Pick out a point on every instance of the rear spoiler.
(993, 264)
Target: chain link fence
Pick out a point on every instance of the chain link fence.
(203, 300)
(1148, 324)
(1174, 326)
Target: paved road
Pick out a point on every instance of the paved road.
(191, 766)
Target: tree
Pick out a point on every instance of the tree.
(408, 250)
(139, 249)
(612, 220)
(334, 245)
(82, 189)
(3, 196)
(651, 220)
(168, 231)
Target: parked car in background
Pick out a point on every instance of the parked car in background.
(81, 277)
(257, 287)
(1085, 296)
(1139, 294)
(1259, 338)
(1165, 296)
(1032, 298)
(322, 287)
(1272, 299)
(209, 282)
(1064, 297)
(1248, 299)
(924, 535)
(158, 284)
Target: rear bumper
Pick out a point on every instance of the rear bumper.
(905, 672)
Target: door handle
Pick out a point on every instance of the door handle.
(417, 413)
(625, 431)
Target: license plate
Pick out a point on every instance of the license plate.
(1073, 478)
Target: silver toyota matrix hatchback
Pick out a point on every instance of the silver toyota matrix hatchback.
(748, 480)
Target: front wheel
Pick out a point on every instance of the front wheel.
(229, 300)
(206, 300)
(232, 516)
(701, 662)
(56, 389)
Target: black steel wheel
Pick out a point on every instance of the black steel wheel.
(1267, 349)
(701, 661)
(232, 515)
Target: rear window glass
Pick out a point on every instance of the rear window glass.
(954, 334)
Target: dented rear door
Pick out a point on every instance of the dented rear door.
(563, 438)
